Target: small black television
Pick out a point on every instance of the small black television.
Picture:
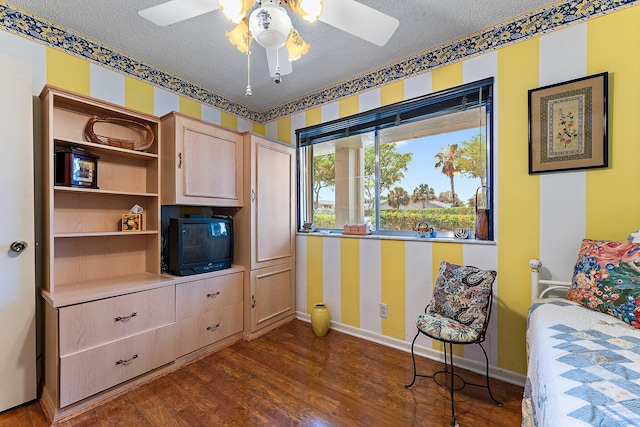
(200, 245)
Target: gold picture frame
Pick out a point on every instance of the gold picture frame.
(568, 125)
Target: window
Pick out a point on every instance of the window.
(421, 160)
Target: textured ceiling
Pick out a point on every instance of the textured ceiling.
(197, 49)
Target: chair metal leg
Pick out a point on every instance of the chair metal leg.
(451, 385)
(413, 357)
(486, 364)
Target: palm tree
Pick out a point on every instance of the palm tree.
(423, 194)
(398, 197)
(448, 160)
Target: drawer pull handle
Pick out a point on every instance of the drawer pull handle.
(253, 301)
(125, 318)
(213, 328)
(124, 362)
(213, 295)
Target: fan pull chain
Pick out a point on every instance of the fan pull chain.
(277, 78)
(248, 91)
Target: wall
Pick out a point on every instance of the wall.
(537, 216)
(542, 216)
(57, 68)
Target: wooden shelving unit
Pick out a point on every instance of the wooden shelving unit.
(93, 271)
(84, 241)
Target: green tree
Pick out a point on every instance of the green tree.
(423, 194)
(473, 158)
(393, 165)
(398, 197)
(324, 175)
(448, 160)
(445, 197)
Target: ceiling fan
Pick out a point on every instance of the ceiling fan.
(268, 23)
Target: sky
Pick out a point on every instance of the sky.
(421, 169)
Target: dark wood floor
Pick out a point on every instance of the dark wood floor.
(290, 377)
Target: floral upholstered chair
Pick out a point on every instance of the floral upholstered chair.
(457, 314)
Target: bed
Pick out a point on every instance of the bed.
(583, 341)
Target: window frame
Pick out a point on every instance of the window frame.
(460, 98)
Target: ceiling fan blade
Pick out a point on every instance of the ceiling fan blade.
(359, 20)
(286, 66)
(177, 10)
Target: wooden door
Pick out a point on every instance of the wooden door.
(273, 203)
(17, 286)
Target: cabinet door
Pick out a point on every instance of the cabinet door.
(273, 203)
(208, 162)
(272, 295)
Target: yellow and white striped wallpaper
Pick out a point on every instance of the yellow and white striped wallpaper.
(542, 216)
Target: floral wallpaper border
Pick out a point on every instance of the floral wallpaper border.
(537, 22)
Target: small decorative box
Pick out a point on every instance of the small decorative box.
(357, 229)
(131, 222)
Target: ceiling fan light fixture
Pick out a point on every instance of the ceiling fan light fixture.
(310, 10)
(235, 10)
(240, 36)
(270, 25)
(296, 47)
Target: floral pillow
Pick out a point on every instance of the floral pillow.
(606, 278)
(462, 293)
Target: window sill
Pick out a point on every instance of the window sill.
(408, 238)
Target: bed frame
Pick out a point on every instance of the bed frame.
(541, 288)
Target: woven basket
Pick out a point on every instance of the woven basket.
(143, 129)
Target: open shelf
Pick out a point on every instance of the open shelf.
(103, 192)
(85, 246)
(106, 233)
(104, 149)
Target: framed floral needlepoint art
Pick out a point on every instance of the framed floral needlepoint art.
(568, 125)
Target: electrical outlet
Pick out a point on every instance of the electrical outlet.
(382, 310)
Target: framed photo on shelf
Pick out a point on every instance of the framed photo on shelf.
(568, 125)
(75, 167)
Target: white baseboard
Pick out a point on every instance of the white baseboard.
(429, 353)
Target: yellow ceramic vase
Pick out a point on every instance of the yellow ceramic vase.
(320, 319)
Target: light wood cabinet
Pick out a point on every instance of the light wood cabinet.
(91, 371)
(84, 241)
(202, 163)
(208, 310)
(92, 346)
(265, 234)
(109, 316)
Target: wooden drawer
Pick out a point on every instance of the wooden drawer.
(88, 325)
(207, 328)
(200, 296)
(218, 324)
(89, 372)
